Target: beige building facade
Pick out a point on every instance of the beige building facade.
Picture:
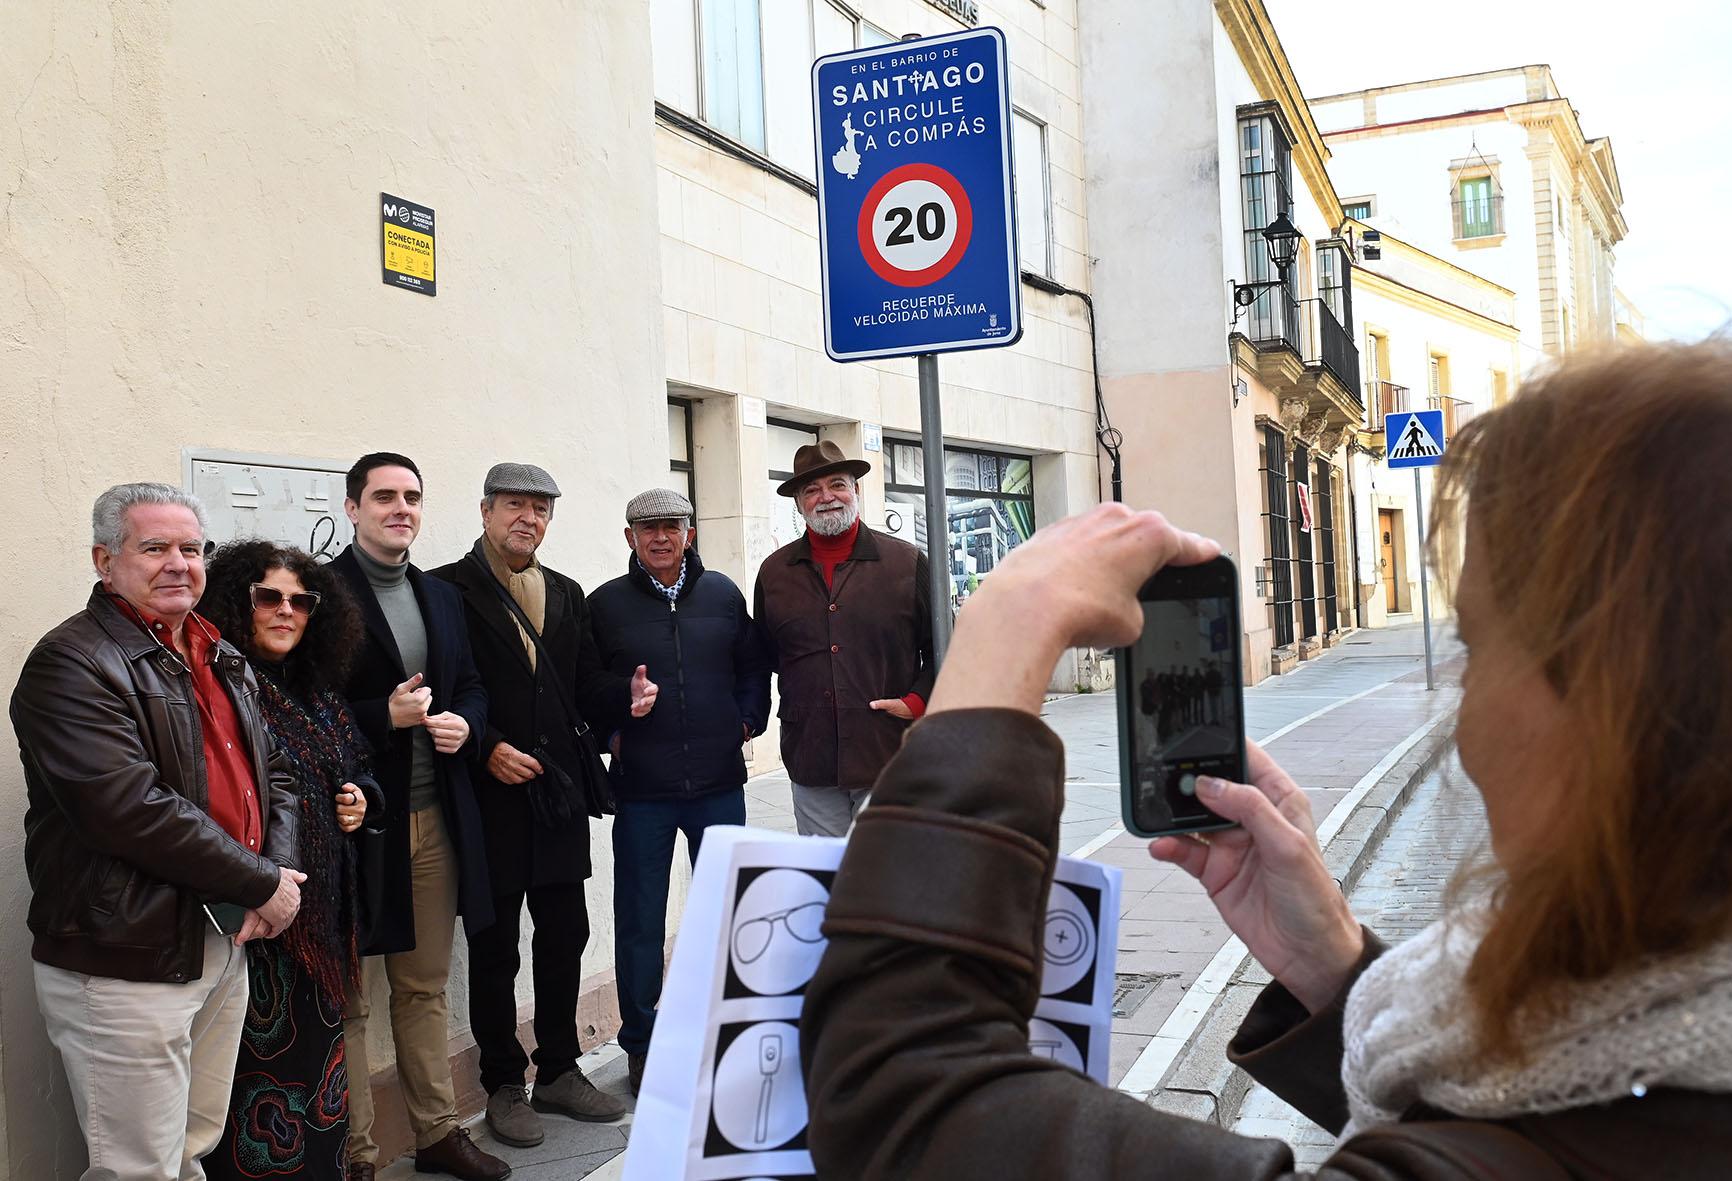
(743, 321)
(1233, 381)
(626, 273)
(190, 291)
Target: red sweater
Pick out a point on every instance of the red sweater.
(830, 552)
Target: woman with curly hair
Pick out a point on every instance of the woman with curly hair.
(298, 627)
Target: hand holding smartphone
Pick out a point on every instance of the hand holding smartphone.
(1181, 699)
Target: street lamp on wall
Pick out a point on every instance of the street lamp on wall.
(1281, 237)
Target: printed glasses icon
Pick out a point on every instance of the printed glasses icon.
(752, 938)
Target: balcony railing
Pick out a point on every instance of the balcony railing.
(1453, 409)
(1384, 398)
(1273, 319)
(1328, 344)
(1478, 217)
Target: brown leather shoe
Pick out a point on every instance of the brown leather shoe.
(360, 1171)
(458, 1156)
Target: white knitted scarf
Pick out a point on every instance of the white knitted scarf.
(1409, 1034)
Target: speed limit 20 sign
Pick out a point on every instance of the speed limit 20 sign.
(917, 218)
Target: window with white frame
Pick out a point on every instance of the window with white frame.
(744, 66)
(1033, 198)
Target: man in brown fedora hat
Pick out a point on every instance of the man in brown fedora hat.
(846, 615)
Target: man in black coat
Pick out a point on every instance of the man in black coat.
(529, 629)
(418, 700)
(680, 768)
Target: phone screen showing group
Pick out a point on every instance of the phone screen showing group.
(1185, 700)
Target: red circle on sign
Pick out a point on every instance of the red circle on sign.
(964, 225)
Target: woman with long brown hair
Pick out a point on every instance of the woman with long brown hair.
(1570, 1017)
(297, 626)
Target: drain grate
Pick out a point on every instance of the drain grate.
(1131, 989)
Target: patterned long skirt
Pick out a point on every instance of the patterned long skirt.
(289, 1114)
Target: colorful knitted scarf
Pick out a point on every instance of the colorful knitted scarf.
(325, 749)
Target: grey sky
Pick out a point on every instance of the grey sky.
(1652, 76)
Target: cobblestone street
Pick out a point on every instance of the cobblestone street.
(1402, 891)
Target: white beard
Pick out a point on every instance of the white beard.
(831, 524)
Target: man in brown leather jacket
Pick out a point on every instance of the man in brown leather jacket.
(844, 612)
(157, 814)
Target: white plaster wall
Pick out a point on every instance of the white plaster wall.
(191, 258)
(1414, 335)
(1410, 176)
(1469, 94)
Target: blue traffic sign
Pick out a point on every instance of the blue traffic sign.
(917, 222)
(1414, 438)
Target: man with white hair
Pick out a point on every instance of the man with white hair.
(678, 769)
(159, 836)
(845, 614)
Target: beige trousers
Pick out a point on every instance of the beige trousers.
(150, 1065)
(419, 1012)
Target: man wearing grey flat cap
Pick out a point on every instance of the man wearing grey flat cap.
(680, 768)
(529, 628)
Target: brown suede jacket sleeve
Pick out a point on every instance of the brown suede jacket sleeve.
(915, 1027)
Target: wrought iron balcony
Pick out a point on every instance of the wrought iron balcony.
(1385, 398)
(1330, 345)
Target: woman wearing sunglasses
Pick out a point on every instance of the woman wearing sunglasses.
(297, 625)
(1570, 1017)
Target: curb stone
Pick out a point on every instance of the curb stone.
(1202, 1084)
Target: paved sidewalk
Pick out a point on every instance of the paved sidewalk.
(1401, 892)
(1336, 723)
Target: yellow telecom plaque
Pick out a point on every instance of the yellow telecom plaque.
(407, 244)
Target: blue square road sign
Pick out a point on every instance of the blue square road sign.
(917, 222)
(1414, 438)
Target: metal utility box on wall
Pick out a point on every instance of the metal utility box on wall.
(289, 500)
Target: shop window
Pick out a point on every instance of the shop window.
(989, 500)
(783, 438)
(682, 476)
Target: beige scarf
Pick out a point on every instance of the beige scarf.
(528, 588)
(1409, 1034)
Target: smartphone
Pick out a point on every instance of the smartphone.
(1181, 699)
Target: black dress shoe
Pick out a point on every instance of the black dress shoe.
(458, 1156)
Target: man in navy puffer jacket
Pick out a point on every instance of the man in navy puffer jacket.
(679, 767)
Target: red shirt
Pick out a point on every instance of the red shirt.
(233, 797)
(830, 552)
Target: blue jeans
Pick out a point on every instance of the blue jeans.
(643, 855)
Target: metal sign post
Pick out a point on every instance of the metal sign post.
(1424, 582)
(937, 535)
(1415, 439)
(917, 225)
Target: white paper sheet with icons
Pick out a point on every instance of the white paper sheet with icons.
(723, 1098)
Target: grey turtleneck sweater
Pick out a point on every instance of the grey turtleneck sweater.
(403, 615)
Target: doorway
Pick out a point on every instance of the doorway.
(1388, 521)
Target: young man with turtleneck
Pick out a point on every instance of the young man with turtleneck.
(529, 629)
(418, 699)
(844, 611)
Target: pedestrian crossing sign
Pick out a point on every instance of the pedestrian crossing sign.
(1414, 438)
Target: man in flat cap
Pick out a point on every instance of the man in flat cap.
(844, 611)
(529, 628)
(678, 769)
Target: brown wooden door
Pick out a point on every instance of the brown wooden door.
(1386, 531)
